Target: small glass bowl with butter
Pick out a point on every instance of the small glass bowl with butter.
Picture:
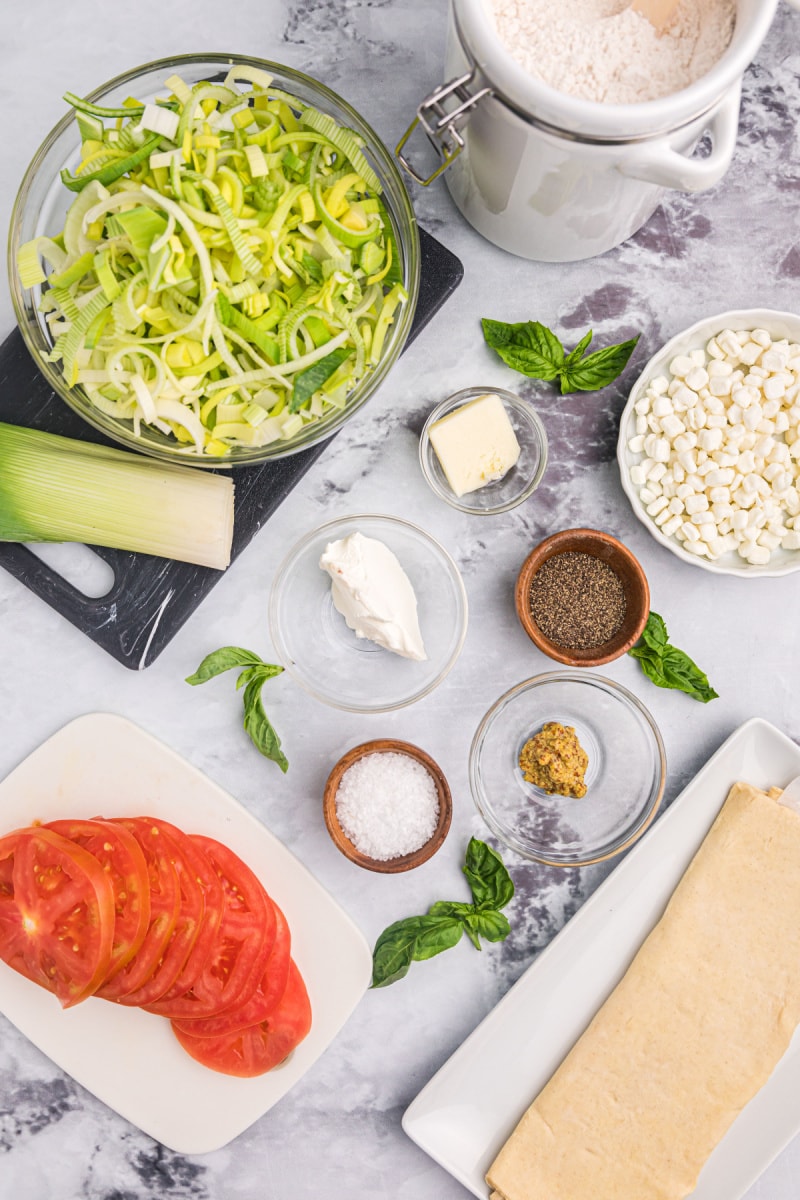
(483, 450)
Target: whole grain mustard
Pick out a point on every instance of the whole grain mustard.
(555, 761)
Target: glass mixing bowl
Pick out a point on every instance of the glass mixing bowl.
(624, 778)
(43, 200)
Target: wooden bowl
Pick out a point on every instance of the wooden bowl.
(403, 862)
(609, 550)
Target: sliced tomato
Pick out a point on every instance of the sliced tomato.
(207, 879)
(8, 845)
(242, 946)
(165, 902)
(121, 857)
(264, 999)
(196, 921)
(56, 913)
(259, 1047)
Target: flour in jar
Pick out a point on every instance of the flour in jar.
(603, 50)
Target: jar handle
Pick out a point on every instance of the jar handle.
(440, 124)
(662, 165)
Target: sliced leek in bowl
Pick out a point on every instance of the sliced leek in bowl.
(214, 260)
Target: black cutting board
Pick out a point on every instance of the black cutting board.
(152, 597)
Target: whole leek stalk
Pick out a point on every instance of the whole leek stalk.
(56, 489)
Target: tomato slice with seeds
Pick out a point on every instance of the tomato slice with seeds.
(259, 1047)
(121, 857)
(194, 918)
(242, 946)
(165, 902)
(265, 998)
(56, 913)
(198, 862)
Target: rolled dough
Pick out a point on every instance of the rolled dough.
(692, 1031)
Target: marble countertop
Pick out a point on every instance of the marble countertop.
(338, 1133)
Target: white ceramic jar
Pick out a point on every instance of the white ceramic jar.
(555, 178)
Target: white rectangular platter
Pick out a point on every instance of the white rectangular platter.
(102, 765)
(467, 1111)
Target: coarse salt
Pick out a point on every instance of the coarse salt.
(387, 804)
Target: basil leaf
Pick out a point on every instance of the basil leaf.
(259, 671)
(309, 381)
(598, 369)
(255, 674)
(469, 930)
(224, 659)
(668, 667)
(528, 347)
(686, 676)
(450, 908)
(462, 912)
(435, 935)
(415, 938)
(534, 350)
(487, 876)
(650, 662)
(576, 354)
(655, 633)
(489, 924)
(259, 728)
(393, 953)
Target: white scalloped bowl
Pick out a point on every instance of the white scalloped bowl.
(778, 325)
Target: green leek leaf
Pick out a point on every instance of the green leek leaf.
(111, 171)
(309, 381)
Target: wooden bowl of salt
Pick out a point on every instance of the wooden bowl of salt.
(387, 806)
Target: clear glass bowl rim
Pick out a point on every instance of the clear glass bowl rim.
(278, 583)
(405, 227)
(644, 818)
(454, 401)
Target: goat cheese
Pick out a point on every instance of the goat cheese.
(373, 593)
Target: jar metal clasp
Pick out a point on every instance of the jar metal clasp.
(443, 123)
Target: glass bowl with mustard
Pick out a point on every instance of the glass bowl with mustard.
(567, 768)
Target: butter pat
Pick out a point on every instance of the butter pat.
(373, 593)
(476, 444)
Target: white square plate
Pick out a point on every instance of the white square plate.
(103, 765)
(465, 1114)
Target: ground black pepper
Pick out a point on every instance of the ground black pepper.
(577, 601)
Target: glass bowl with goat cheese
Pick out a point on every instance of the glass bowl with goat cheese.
(221, 270)
(709, 444)
(483, 450)
(368, 613)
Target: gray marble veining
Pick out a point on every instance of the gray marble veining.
(338, 1134)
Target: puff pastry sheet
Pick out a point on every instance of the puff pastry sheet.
(693, 1030)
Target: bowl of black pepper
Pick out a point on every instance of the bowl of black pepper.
(582, 597)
